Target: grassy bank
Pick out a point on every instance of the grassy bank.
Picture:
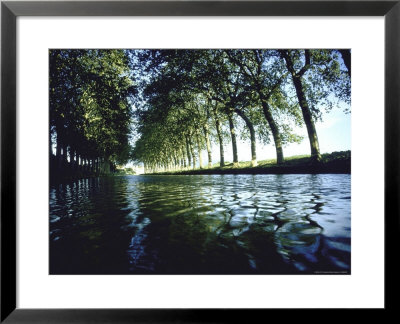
(336, 162)
(121, 171)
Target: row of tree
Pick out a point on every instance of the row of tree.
(91, 95)
(189, 99)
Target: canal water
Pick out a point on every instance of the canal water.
(203, 224)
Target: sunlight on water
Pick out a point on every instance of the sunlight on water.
(209, 224)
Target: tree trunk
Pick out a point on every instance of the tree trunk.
(183, 157)
(346, 55)
(175, 158)
(50, 148)
(69, 155)
(274, 130)
(58, 150)
(305, 109)
(188, 152)
(221, 143)
(208, 143)
(192, 152)
(199, 149)
(64, 155)
(77, 161)
(234, 144)
(250, 126)
(58, 153)
(308, 120)
(73, 159)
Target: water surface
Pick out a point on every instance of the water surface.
(203, 224)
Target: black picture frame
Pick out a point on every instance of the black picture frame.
(10, 10)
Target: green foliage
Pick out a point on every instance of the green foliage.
(125, 171)
(90, 102)
(326, 81)
(173, 103)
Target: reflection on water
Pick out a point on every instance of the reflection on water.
(208, 224)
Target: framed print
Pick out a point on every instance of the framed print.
(118, 247)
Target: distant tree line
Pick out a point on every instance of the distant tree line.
(189, 99)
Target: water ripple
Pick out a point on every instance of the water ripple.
(201, 224)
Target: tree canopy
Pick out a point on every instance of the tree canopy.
(164, 108)
(191, 98)
(91, 95)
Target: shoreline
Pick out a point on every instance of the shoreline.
(305, 169)
(332, 163)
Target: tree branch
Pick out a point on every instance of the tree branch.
(306, 65)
